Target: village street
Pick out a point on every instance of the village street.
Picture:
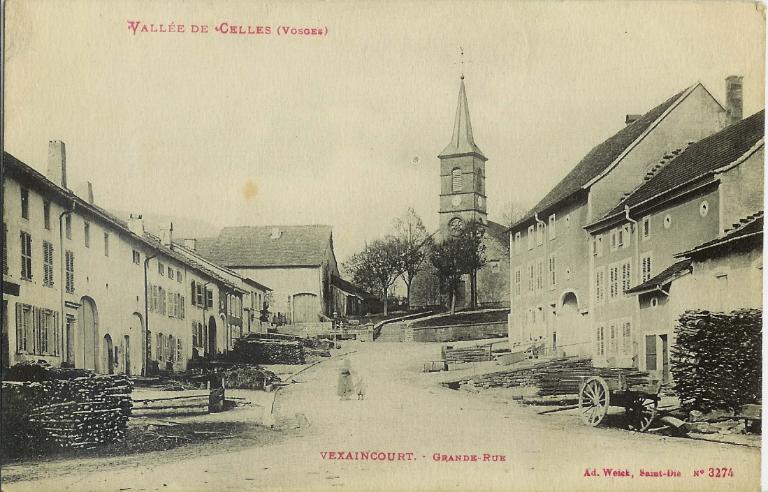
(406, 411)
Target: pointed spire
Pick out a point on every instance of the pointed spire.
(462, 141)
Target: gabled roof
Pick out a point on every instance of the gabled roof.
(748, 228)
(498, 232)
(462, 141)
(350, 288)
(268, 246)
(600, 158)
(700, 160)
(673, 272)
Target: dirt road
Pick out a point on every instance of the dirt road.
(391, 440)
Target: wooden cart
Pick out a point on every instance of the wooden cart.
(640, 401)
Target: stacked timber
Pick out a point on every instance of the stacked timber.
(268, 351)
(249, 377)
(82, 412)
(716, 360)
(466, 354)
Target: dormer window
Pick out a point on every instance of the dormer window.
(456, 184)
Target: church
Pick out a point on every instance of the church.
(463, 199)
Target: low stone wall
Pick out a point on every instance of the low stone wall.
(453, 333)
(307, 329)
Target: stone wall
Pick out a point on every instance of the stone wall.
(452, 333)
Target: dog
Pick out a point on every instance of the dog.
(360, 385)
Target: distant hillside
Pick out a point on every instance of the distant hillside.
(183, 227)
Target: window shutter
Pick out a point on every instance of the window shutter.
(194, 292)
(182, 306)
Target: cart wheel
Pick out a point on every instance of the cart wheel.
(642, 412)
(594, 399)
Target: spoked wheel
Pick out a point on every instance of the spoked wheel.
(594, 400)
(641, 413)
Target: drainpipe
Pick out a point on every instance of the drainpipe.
(205, 306)
(145, 337)
(546, 259)
(62, 273)
(637, 268)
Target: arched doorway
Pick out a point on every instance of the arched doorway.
(566, 333)
(132, 354)
(305, 308)
(88, 319)
(211, 336)
(109, 358)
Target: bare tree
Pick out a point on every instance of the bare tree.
(512, 212)
(414, 243)
(377, 267)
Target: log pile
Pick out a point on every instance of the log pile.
(716, 360)
(82, 412)
(466, 354)
(249, 377)
(265, 351)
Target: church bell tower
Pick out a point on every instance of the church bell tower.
(462, 175)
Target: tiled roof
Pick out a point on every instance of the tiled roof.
(268, 246)
(673, 272)
(748, 227)
(349, 287)
(498, 232)
(600, 157)
(700, 159)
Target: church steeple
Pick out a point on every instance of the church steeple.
(462, 142)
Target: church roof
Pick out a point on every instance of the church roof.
(268, 246)
(462, 142)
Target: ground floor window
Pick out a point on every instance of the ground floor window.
(37, 330)
(600, 340)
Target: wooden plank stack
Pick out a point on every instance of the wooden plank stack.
(716, 360)
(466, 354)
(268, 351)
(81, 412)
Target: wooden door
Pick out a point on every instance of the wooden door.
(305, 308)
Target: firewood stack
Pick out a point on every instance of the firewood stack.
(81, 412)
(265, 351)
(716, 359)
(466, 354)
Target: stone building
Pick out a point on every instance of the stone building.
(296, 262)
(551, 261)
(84, 288)
(462, 200)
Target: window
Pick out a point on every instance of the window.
(69, 267)
(106, 244)
(87, 234)
(68, 226)
(209, 298)
(539, 234)
(25, 203)
(704, 208)
(552, 277)
(26, 256)
(530, 237)
(667, 221)
(162, 296)
(614, 240)
(600, 340)
(613, 281)
(37, 330)
(160, 268)
(518, 281)
(160, 347)
(540, 276)
(626, 275)
(646, 267)
(626, 337)
(47, 214)
(47, 264)
(613, 338)
(530, 277)
(178, 276)
(456, 184)
(136, 257)
(170, 273)
(179, 350)
(600, 285)
(517, 242)
(23, 327)
(646, 227)
(552, 229)
(621, 238)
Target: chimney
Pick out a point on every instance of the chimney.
(85, 191)
(733, 99)
(631, 118)
(57, 163)
(136, 225)
(190, 243)
(167, 235)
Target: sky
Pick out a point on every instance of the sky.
(344, 129)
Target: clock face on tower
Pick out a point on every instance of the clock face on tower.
(456, 201)
(456, 225)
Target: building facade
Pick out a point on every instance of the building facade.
(552, 264)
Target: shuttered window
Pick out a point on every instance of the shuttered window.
(37, 330)
(626, 276)
(626, 337)
(600, 340)
(47, 264)
(456, 184)
(646, 268)
(600, 285)
(69, 264)
(26, 256)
